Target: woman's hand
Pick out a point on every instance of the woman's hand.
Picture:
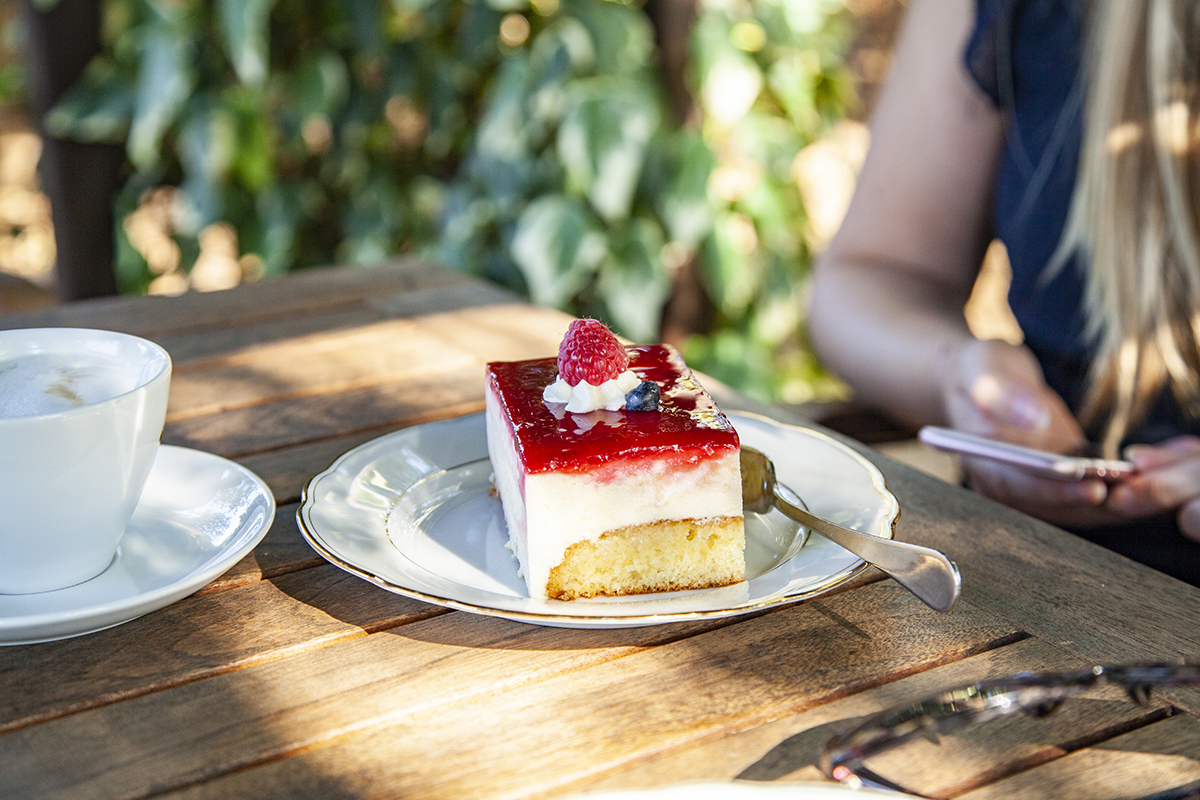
(996, 390)
(1167, 480)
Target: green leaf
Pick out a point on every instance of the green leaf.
(254, 161)
(372, 222)
(776, 208)
(132, 272)
(364, 25)
(632, 280)
(466, 225)
(477, 40)
(166, 77)
(730, 87)
(558, 247)
(778, 311)
(736, 359)
(602, 141)
(769, 140)
(794, 81)
(502, 157)
(245, 34)
(508, 5)
(97, 108)
(321, 84)
(208, 140)
(808, 18)
(683, 203)
(623, 35)
(710, 41)
(202, 203)
(569, 38)
(731, 274)
(281, 209)
(411, 7)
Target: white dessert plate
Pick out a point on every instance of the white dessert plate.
(199, 514)
(745, 790)
(413, 512)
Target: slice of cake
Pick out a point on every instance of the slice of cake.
(603, 499)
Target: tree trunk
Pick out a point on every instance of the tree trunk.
(80, 179)
(689, 309)
(672, 20)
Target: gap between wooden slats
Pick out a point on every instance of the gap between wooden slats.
(429, 710)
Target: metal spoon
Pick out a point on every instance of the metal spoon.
(925, 572)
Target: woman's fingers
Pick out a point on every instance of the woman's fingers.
(1074, 503)
(1165, 453)
(1168, 479)
(1189, 519)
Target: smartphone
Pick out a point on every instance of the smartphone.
(1053, 465)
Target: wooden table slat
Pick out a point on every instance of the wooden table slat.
(193, 639)
(300, 294)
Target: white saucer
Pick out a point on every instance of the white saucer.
(198, 516)
(413, 512)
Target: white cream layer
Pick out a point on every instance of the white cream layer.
(583, 397)
(548, 512)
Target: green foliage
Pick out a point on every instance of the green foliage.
(12, 67)
(771, 77)
(527, 142)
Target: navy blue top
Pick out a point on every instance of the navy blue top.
(1026, 55)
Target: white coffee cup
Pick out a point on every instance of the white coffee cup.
(81, 414)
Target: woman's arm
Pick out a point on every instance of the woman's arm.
(888, 294)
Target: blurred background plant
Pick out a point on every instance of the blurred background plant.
(668, 166)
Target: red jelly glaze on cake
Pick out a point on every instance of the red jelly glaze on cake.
(688, 427)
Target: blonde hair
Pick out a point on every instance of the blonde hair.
(1133, 217)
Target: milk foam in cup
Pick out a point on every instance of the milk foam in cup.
(81, 413)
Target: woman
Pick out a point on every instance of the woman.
(1068, 129)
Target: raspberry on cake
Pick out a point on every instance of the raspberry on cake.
(602, 499)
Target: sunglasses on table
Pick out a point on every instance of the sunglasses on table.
(843, 755)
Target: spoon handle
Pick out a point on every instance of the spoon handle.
(925, 572)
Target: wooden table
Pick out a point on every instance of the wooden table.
(290, 677)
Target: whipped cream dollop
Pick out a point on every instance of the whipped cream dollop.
(583, 397)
